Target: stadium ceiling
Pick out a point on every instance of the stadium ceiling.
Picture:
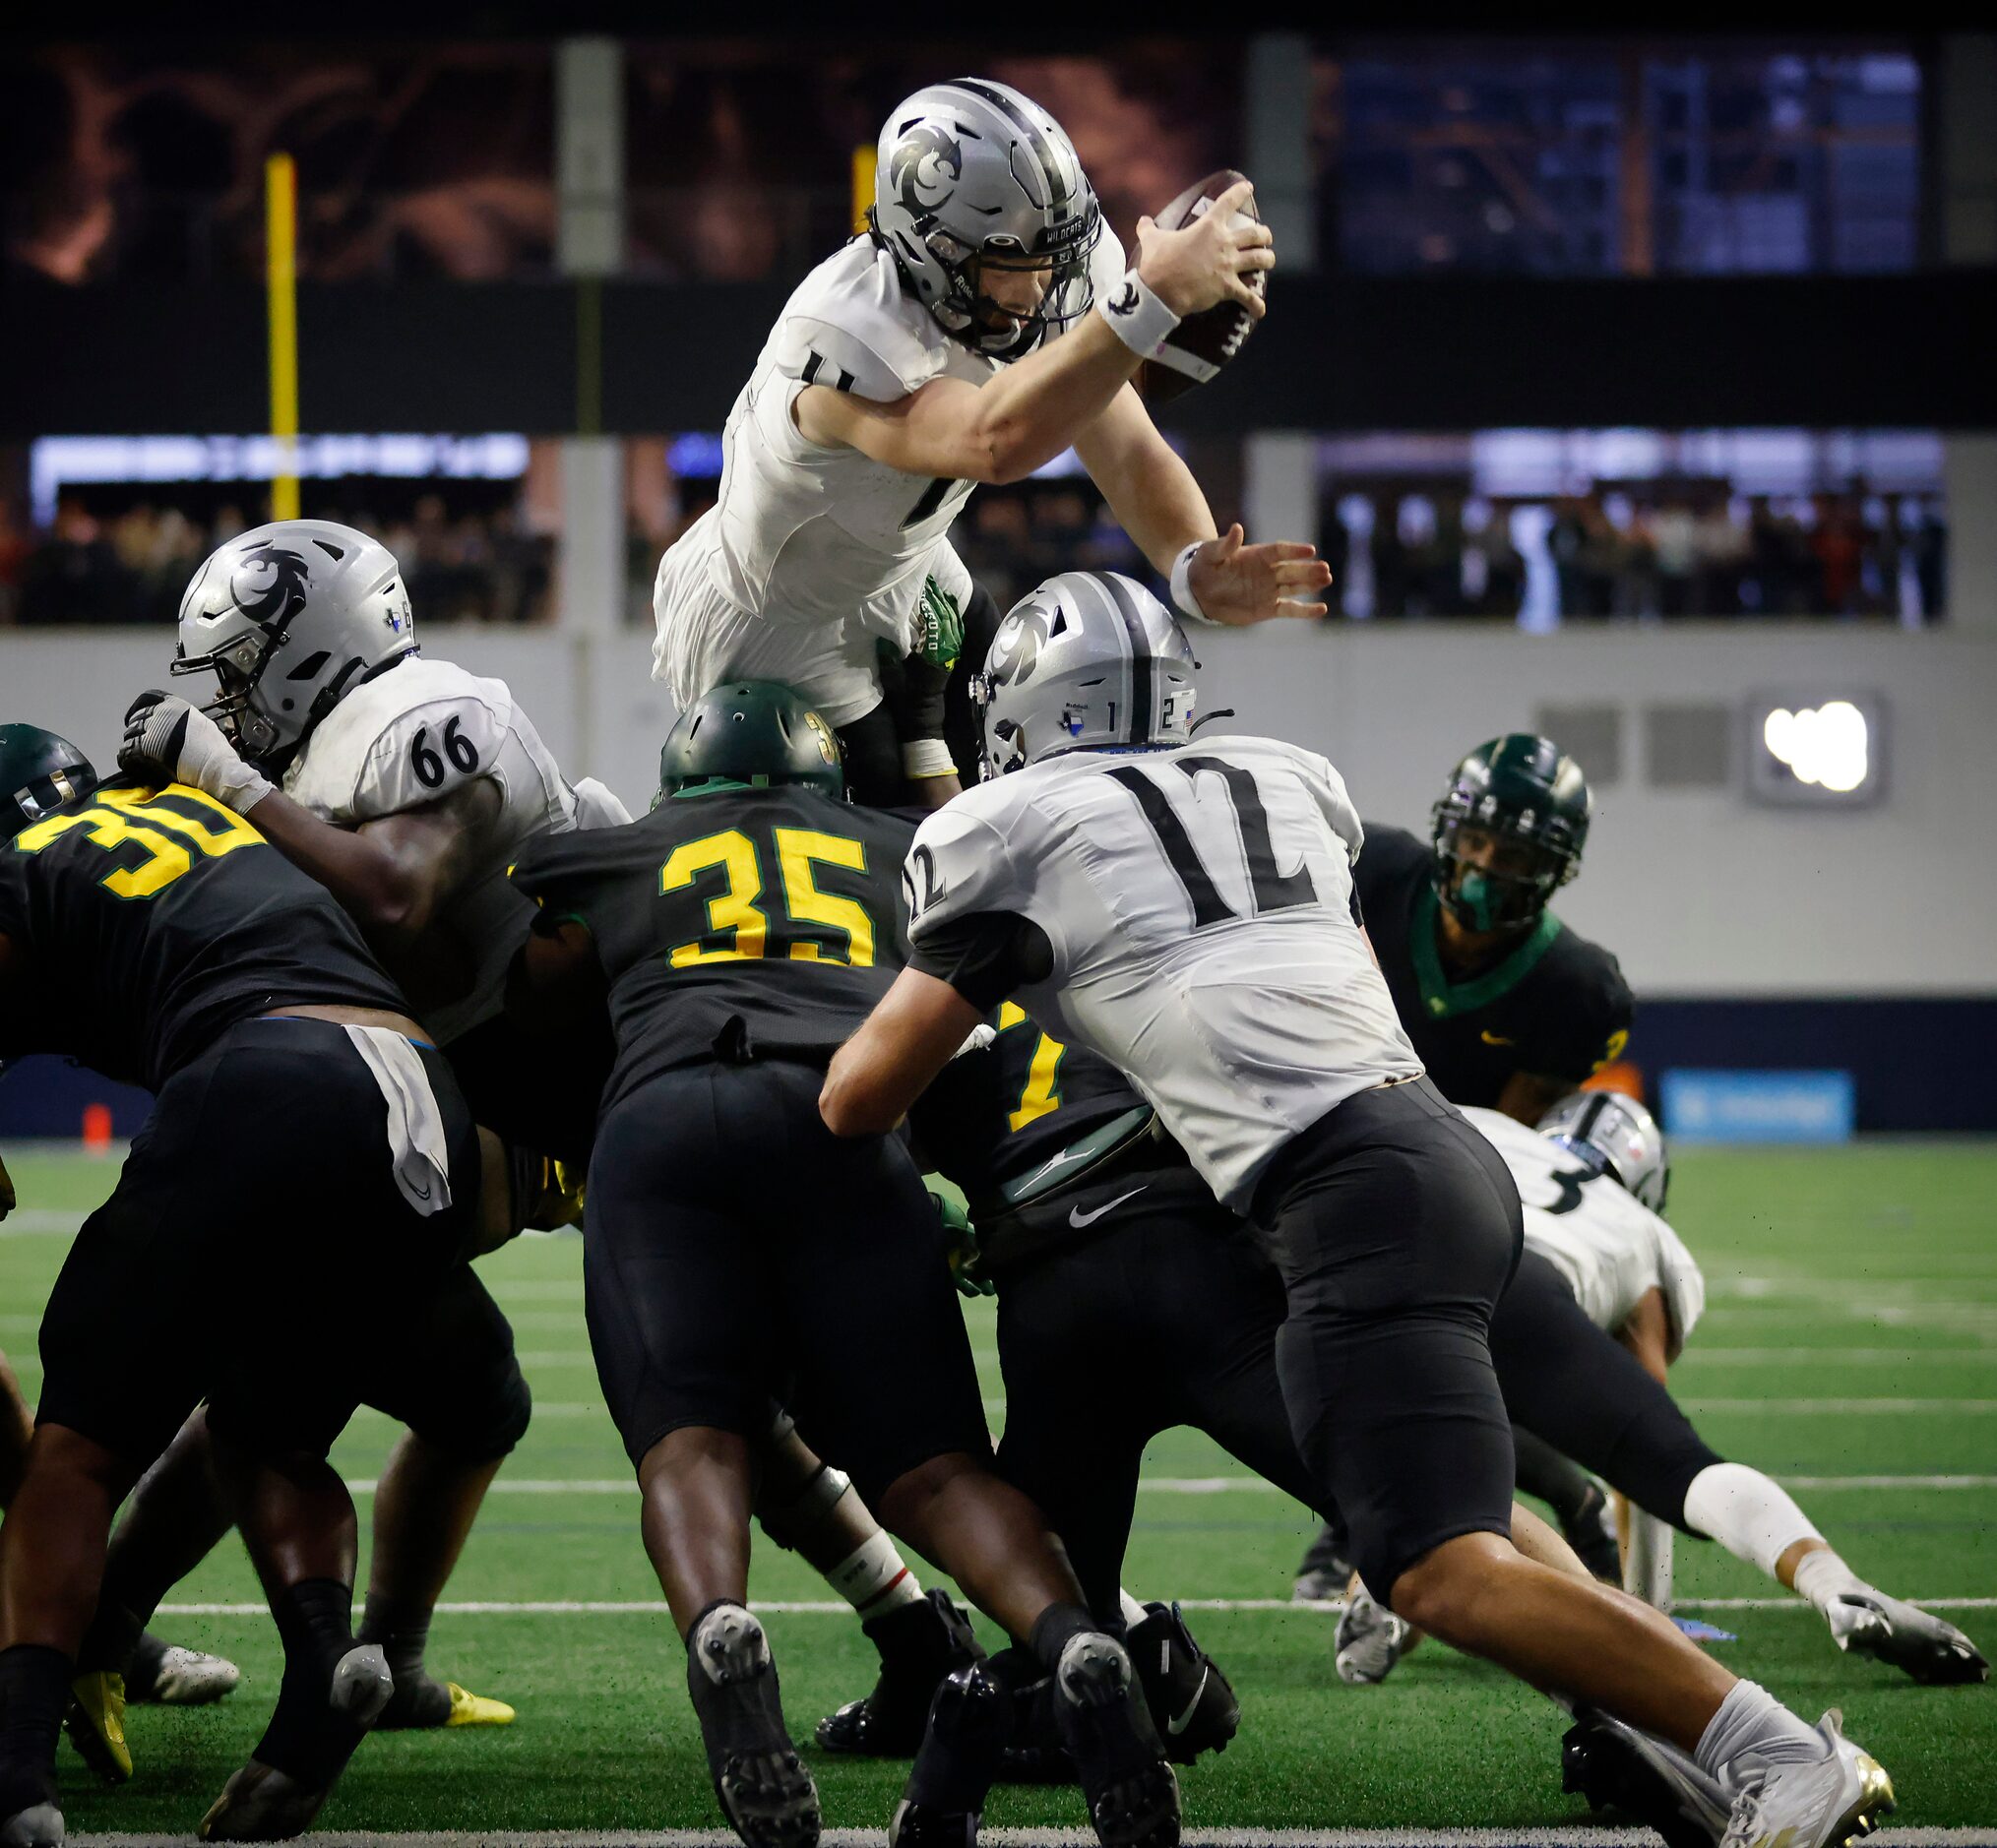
(797, 24)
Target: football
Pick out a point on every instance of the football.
(1202, 343)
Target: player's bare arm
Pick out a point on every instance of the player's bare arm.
(1647, 1333)
(1035, 409)
(1157, 501)
(910, 1037)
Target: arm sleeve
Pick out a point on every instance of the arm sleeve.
(985, 955)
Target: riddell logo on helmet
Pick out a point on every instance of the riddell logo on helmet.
(925, 166)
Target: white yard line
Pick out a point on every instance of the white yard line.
(1825, 1408)
(828, 1607)
(1587, 1837)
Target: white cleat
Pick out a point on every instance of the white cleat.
(1828, 1803)
(1371, 1639)
(39, 1826)
(1935, 1653)
(189, 1678)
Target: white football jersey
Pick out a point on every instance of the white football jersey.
(1608, 1245)
(805, 535)
(416, 733)
(1198, 905)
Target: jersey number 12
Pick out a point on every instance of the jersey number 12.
(1271, 891)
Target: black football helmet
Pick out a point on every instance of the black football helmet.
(38, 772)
(1522, 788)
(754, 732)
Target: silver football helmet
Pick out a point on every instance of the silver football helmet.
(971, 174)
(290, 617)
(1089, 660)
(1614, 1135)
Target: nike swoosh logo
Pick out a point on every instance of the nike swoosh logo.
(1494, 1039)
(1077, 1218)
(1175, 1726)
(1049, 1167)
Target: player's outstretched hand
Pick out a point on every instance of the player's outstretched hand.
(1206, 263)
(1237, 583)
(168, 741)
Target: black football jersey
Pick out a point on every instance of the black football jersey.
(735, 924)
(153, 921)
(998, 1115)
(1556, 1006)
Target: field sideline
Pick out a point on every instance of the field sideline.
(1850, 1348)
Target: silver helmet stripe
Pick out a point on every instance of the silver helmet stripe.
(1054, 175)
(1143, 668)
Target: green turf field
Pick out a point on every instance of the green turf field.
(1851, 1336)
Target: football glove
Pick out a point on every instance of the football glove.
(938, 639)
(168, 741)
(959, 1238)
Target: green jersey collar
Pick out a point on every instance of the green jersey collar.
(1439, 997)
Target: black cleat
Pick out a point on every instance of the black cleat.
(920, 1645)
(763, 1789)
(969, 1721)
(1192, 1703)
(1591, 1533)
(1326, 1570)
(1618, 1769)
(1133, 1795)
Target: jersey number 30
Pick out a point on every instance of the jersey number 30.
(1272, 891)
(738, 927)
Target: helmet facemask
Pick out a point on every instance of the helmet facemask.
(238, 668)
(1504, 884)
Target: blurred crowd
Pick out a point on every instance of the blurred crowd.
(132, 567)
(1620, 554)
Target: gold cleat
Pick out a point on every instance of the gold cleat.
(95, 1724)
(471, 1709)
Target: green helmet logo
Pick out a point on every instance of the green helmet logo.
(1509, 831)
(38, 772)
(750, 734)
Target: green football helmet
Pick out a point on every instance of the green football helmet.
(753, 733)
(1526, 790)
(38, 772)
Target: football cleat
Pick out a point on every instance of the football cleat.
(421, 1704)
(1192, 1703)
(1591, 1533)
(39, 1825)
(95, 1724)
(1935, 1653)
(1620, 1770)
(167, 1674)
(969, 1721)
(471, 1709)
(1371, 1639)
(1326, 1570)
(1133, 1794)
(1827, 1803)
(920, 1645)
(261, 1803)
(760, 1781)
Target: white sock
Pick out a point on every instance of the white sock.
(875, 1579)
(1747, 1513)
(1134, 1612)
(1822, 1577)
(1751, 1732)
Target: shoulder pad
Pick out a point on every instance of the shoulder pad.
(956, 867)
(854, 330)
(426, 751)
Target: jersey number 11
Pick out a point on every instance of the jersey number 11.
(1272, 891)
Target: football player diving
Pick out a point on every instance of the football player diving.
(736, 1251)
(408, 787)
(917, 362)
(1508, 1008)
(148, 931)
(1188, 913)
(1604, 1299)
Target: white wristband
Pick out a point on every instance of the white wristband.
(1183, 598)
(927, 757)
(1136, 316)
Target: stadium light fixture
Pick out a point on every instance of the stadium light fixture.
(1818, 749)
